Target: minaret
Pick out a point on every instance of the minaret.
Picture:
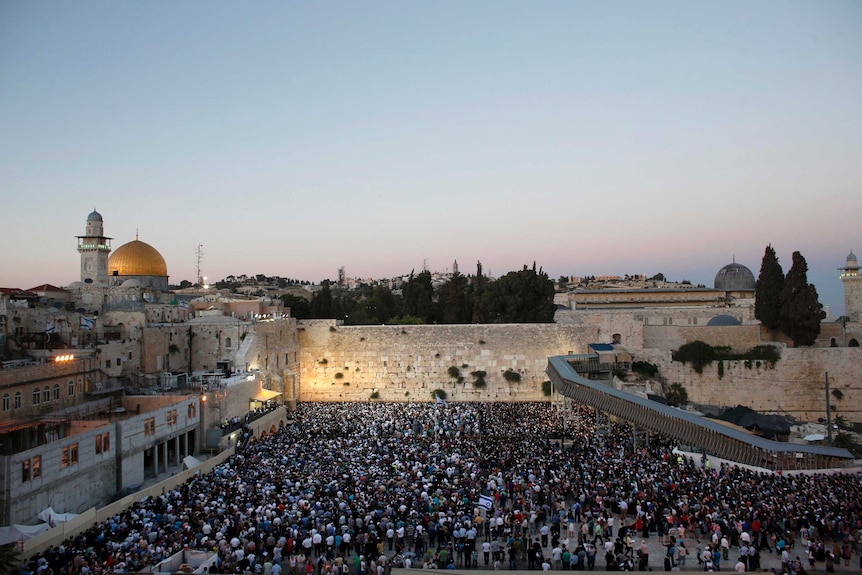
(94, 248)
(852, 289)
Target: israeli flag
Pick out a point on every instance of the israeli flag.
(87, 323)
(439, 400)
(485, 502)
(49, 327)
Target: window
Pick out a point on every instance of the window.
(107, 364)
(64, 458)
(193, 411)
(106, 442)
(73, 453)
(71, 388)
(56, 391)
(130, 356)
(150, 426)
(171, 417)
(227, 342)
(7, 402)
(37, 396)
(46, 394)
(17, 402)
(25, 470)
(37, 467)
(118, 362)
(98, 444)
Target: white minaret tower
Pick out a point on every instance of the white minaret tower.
(852, 289)
(94, 248)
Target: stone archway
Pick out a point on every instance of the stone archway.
(853, 343)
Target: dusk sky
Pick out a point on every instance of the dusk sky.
(293, 138)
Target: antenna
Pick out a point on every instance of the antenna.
(199, 255)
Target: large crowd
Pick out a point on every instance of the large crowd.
(353, 488)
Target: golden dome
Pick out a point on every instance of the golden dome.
(137, 258)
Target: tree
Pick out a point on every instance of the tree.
(419, 297)
(526, 296)
(300, 308)
(321, 303)
(453, 304)
(801, 312)
(478, 292)
(676, 394)
(767, 290)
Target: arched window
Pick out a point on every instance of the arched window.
(833, 343)
(17, 402)
(56, 390)
(853, 343)
(46, 394)
(227, 342)
(7, 402)
(37, 396)
(71, 388)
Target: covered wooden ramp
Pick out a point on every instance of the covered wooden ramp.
(701, 433)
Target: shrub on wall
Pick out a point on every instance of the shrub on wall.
(323, 361)
(453, 372)
(676, 394)
(339, 375)
(701, 354)
(375, 395)
(512, 376)
(645, 368)
(478, 378)
(546, 388)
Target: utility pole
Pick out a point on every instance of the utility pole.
(828, 413)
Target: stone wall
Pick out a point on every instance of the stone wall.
(670, 337)
(794, 386)
(406, 363)
(275, 351)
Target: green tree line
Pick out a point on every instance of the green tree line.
(524, 296)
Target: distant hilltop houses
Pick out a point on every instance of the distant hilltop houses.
(113, 381)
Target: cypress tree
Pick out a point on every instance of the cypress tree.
(801, 312)
(767, 290)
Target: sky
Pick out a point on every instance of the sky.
(294, 138)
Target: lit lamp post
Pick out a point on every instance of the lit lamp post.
(828, 413)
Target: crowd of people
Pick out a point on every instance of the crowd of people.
(353, 488)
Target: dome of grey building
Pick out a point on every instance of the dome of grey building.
(734, 277)
(723, 320)
(94, 216)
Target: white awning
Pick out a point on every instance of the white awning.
(265, 395)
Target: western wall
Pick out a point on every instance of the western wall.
(406, 363)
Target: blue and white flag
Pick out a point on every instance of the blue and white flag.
(485, 502)
(184, 304)
(439, 400)
(87, 323)
(49, 327)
